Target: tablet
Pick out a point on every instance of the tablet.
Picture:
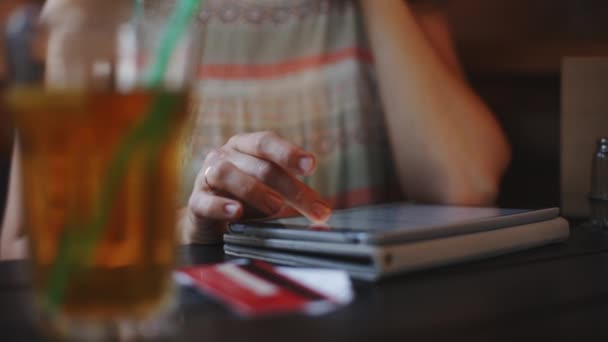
(393, 223)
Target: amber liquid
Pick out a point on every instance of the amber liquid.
(69, 141)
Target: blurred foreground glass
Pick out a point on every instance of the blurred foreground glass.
(100, 136)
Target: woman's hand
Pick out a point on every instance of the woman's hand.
(252, 176)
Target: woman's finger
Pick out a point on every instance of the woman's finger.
(271, 147)
(223, 176)
(205, 205)
(205, 219)
(299, 195)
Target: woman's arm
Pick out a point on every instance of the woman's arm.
(434, 26)
(454, 150)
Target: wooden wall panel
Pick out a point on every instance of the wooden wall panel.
(527, 35)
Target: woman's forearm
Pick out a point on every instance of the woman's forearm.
(448, 146)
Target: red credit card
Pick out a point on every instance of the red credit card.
(254, 288)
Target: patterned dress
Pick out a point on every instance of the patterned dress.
(302, 68)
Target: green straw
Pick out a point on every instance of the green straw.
(179, 22)
(76, 248)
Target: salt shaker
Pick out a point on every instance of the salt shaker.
(599, 185)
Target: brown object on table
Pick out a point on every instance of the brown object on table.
(583, 121)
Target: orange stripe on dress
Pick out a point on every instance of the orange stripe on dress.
(243, 72)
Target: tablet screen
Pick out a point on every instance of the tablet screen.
(388, 217)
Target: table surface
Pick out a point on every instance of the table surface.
(554, 292)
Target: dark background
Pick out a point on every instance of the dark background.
(512, 51)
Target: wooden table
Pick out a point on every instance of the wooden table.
(558, 292)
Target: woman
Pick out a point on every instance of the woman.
(320, 104)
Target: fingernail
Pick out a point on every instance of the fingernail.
(306, 164)
(274, 203)
(231, 209)
(320, 210)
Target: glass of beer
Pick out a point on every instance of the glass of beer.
(100, 134)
